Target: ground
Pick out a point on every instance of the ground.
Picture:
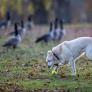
(25, 69)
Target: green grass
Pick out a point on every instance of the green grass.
(25, 69)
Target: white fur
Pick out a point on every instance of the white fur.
(70, 51)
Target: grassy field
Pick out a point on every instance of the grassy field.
(25, 70)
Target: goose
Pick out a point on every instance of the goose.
(46, 37)
(21, 29)
(6, 22)
(29, 22)
(58, 31)
(53, 33)
(61, 30)
(13, 41)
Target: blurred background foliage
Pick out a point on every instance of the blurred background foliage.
(71, 11)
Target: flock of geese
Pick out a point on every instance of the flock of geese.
(56, 32)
